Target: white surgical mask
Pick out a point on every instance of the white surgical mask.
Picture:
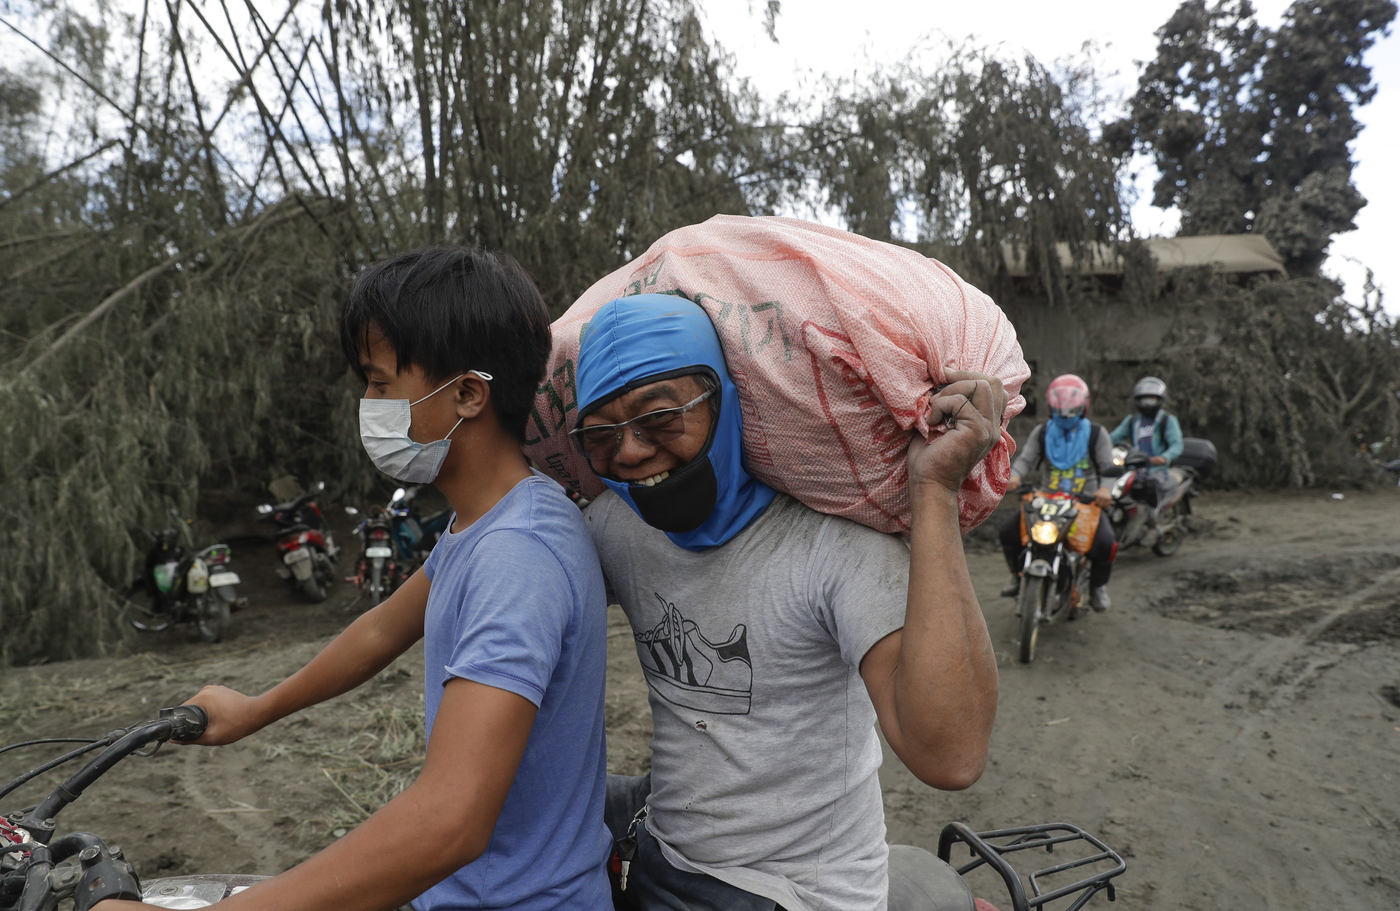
(384, 427)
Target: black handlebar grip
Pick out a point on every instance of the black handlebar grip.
(187, 722)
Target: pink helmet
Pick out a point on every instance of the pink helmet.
(1068, 396)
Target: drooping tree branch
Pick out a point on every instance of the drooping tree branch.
(131, 287)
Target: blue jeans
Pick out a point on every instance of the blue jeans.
(918, 880)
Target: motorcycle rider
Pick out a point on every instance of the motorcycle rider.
(1152, 430)
(1078, 453)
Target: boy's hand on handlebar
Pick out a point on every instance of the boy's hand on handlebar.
(232, 715)
(1104, 497)
(1158, 460)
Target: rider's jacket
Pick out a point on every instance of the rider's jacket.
(1086, 475)
(1162, 435)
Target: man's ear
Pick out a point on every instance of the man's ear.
(473, 395)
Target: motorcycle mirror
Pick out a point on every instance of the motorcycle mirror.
(351, 511)
(320, 486)
(398, 495)
(264, 509)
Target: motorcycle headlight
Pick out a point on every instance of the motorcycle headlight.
(1044, 533)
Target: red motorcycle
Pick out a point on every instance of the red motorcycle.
(378, 571)
(304, 543)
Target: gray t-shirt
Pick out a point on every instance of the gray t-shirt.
(764, 756)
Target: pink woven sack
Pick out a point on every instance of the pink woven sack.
(835, 342)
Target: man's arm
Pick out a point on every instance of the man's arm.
(1175, 444)
(1123, 431)
(1027, 458)
(441, 823)
(934, 682)
(1102, 446)
(364, 649)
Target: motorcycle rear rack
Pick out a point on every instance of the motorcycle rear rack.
(986, 851)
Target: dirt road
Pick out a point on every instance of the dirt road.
(1232, 725)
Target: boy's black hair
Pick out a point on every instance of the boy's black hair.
(447, 310)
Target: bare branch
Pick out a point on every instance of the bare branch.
(57, 171)
(116, 297)
(76, 75)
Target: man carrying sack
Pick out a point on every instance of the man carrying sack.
(773, 637)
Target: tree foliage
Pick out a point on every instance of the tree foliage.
(188, 190)
(571, 133)
(1250, 126)
(1288, 375)
(982, 153)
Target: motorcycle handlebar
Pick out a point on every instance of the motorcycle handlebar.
(1030, 488)
(188, 722)
(182, 723)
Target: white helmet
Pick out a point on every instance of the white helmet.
(1150, 385)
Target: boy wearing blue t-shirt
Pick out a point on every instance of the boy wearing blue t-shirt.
(508, 810)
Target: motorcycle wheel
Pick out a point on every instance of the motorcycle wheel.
(1032, 599)
(211, 616)
(1169, 542)
(312, 588)
(144, 619)
(376, 584)
(139, 609)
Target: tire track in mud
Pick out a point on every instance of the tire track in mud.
(1282, 667)
(1272, 661)
(204, 776)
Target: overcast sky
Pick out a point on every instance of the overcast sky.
(827, 36)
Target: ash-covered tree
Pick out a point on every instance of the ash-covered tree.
(983, 154)
(1249, 126)
(174, 242)
(569, 133)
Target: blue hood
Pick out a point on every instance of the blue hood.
(633, 341)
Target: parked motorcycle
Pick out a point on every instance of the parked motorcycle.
(414, 535)
(1054, 571)
(183, 586)
(306, 547)
(1150, 508)
(38, 871)
(378, 570)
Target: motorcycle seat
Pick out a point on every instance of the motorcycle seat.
(920, 880)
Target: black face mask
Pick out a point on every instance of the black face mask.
(683, 501)
(1149, 411)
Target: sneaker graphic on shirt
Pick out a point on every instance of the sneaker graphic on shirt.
(688, 670)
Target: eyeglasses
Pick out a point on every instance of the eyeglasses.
(655, 428)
